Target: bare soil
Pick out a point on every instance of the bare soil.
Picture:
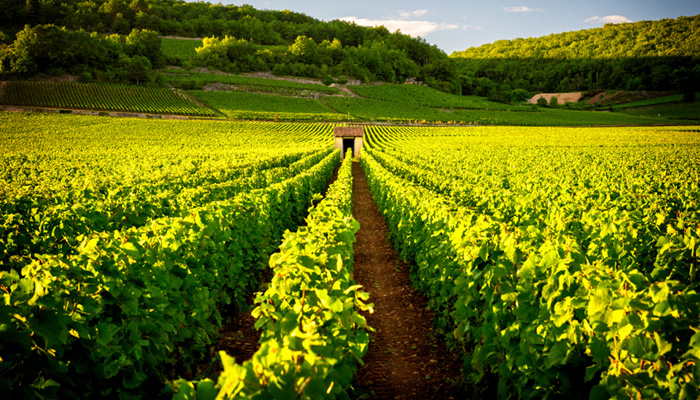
(405, 359)
(561, 97)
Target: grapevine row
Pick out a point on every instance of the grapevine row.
(313, 335)
(579, 296)
(101, 97)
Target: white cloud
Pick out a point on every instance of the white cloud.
(520, 9)
(413, 28)
(411, 14)
(609, 19)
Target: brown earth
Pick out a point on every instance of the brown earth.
(405, 359)
(561, 97)
(595, 98)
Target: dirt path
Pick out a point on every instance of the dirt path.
(404, 360)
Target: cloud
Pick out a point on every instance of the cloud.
(413, 28)
(415, 13)
(520, 9)
(609, 19)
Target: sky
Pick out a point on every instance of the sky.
(457, 25)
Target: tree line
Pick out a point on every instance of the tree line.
(240, 38)
(648, 55)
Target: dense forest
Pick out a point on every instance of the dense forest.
(243, 39)
(648, 55)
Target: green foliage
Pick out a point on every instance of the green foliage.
(101, 97)
(549, 265)
(286, 42)
(146, 44)
(670, 111)
(395, 111)
(228, 54)
(645, 55)
(313, 334)
(197, 80)
(425, 96)
(56, 50)
(108, 313)
(176, 51)
(678, 37)
(243, 105)
(519, 96)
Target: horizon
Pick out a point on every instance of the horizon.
(455, 27)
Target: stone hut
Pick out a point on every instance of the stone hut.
(348, 138)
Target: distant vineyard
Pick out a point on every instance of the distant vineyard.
(100, 97)
(561, 263)
(254, 106)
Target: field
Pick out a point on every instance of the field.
(244, 105)
(557, 261)
(564, 261)
(425, 96)
(242, 97)
(399, 110)
(650, 102)
(197, 80)
(677, 111)
(124, 240)
(101, 97)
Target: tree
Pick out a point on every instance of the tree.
(519, 96)
(304, 49)
(143, 42)
(135, 69)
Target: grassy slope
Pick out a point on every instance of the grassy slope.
(181, 77)
(403, 108)
(102, 97)
(665, 112)
(649, 102)
(243, 105)
(425, 96)
(180, 48)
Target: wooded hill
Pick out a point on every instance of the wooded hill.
(645, 55)
(258, 40)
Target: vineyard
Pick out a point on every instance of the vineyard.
(254, 106)
(558, 262)
(122, 242)
(100, 97)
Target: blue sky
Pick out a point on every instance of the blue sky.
(457, 25)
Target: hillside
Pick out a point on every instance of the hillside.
(664, 38)
(237, 39)
(647, 55)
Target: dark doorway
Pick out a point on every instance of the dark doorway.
(348, 145)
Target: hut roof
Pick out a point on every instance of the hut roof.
(348, 131)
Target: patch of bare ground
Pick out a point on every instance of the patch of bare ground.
(596, 98)
(269, 75)
(562, 98)
(405, 359)
(181, 38)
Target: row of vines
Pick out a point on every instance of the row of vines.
(100, 97)
(560, 262)
(123, 243)
(313, 333)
